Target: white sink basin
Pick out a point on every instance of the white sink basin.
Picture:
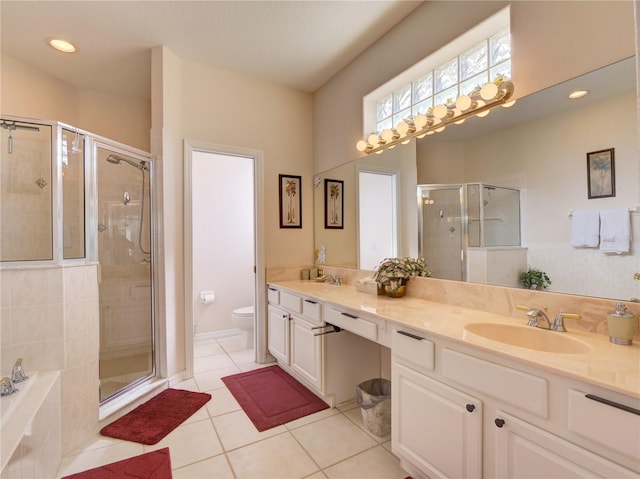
(529, 337)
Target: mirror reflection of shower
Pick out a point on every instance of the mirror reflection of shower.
(142, 166)
(468, 231)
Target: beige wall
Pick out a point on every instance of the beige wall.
(30, 93)
(551, 42)
(198, 102)
(227, 108)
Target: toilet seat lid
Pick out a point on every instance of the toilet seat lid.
(245, 311)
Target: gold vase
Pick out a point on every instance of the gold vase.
(395, 292)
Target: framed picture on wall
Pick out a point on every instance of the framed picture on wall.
(601, 175)
(290, 188)
(333, 204)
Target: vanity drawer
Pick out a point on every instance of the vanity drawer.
(413, 348)
(291, 302)
(520, 389)
(312, 310)
(614, 425)
(351, 322)
(273, 296)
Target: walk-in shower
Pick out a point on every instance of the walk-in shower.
(464, 230)
(124, 247)
(70, 198)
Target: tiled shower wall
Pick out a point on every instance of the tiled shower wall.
(49, 317)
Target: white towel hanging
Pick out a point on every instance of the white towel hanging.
(615, 230)
(585, 229)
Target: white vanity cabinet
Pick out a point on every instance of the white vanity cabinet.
(332, 364)
(278, 334)
(436, 428)
(525, 450)
(458, 412)
(306, 351)
(293, 324)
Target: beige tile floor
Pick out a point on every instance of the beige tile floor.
(219, 441)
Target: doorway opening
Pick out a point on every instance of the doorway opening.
(377, 217)
(224, 272)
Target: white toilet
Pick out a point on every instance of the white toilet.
(243, 318)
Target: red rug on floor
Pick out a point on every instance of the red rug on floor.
(153, 420)
(152, 465)
(271, 397)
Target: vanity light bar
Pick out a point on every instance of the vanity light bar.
(479, 103)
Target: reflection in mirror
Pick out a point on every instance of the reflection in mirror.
(538, 147)
(343, 245)
(471, 233)
(377, 217)
(25, 195)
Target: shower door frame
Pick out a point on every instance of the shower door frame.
(91, 190)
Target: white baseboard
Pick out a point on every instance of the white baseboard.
(223, 333)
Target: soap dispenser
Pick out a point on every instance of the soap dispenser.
(622, 325)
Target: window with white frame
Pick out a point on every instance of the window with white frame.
(485, 61)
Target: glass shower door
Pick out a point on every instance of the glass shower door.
(124, 254)
(442, 235)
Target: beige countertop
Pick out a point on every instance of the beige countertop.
(606, 365)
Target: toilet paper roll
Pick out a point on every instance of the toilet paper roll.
(207, 297)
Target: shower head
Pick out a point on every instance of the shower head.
(116, 160)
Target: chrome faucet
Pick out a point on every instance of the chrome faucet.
(335, 280)
(535, 315)
(558, 323)
(6, 386)
(17, 373)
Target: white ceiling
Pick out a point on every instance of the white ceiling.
(300, 44)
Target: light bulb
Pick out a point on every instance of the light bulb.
(404, 128)
(440, 111)
(509, 104)
(420, 121)
(373, 140)
(387, 135)
(361, 145)
(464, 102)
(482, 114)
(489, 91)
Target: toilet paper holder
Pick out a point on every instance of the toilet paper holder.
(207, 297)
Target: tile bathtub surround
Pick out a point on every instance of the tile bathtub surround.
(220, 441)
(50, 318)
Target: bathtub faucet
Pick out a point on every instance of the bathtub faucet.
(17, 374)
(7, 387)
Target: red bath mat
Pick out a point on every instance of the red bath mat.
(153, 420)
(152, 465)
(270, 397)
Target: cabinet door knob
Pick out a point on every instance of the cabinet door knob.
(499, 422)
(471, 407)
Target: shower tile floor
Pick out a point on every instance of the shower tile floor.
(219, 441)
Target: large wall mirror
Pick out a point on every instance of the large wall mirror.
(538, 147)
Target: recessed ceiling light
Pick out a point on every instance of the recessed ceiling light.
(578, 94)
(62, 45)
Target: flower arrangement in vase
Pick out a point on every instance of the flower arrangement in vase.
(392, 274)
